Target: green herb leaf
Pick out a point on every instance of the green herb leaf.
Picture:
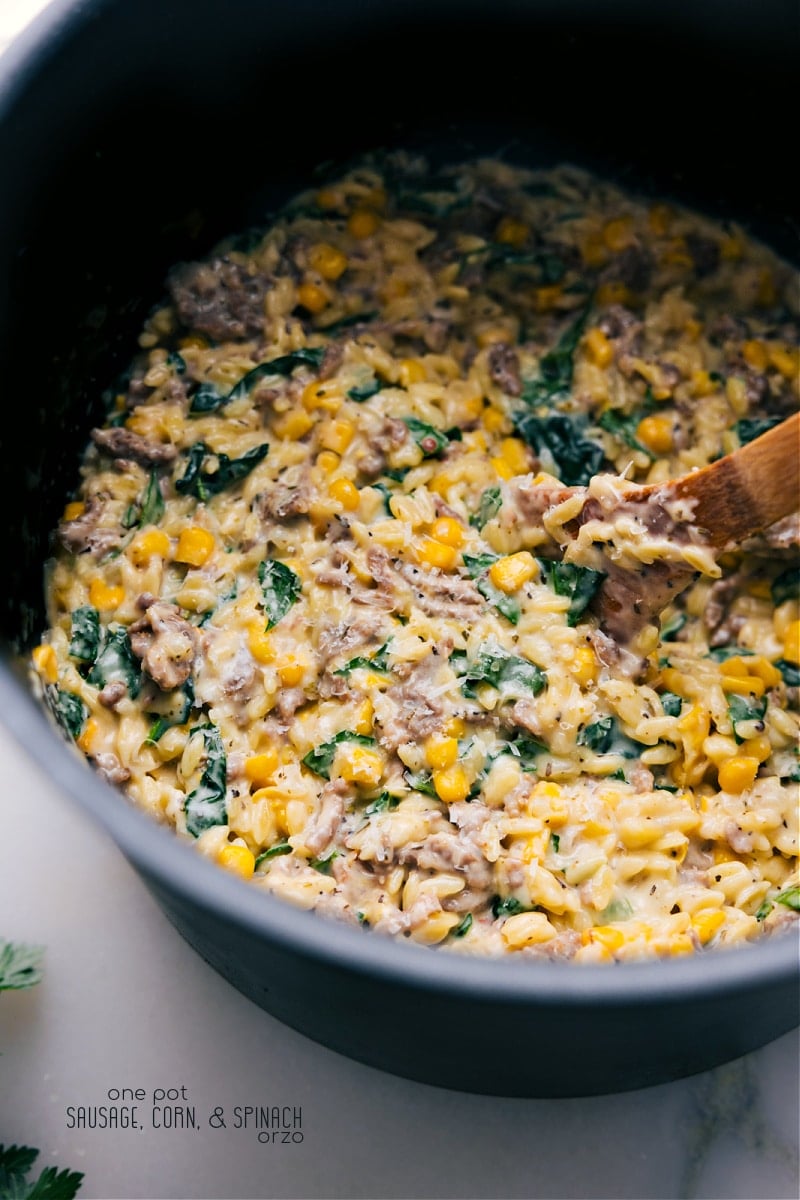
(320, 759)
(462, 927)
(671, 628)
(478, 567)
(605, 737)
(207, 399)
(556, 367)
(152, 502)
(575, 459)
(383, 803)
(170, 708)
(618, 909)
(280, 588)
(790, 672)
(786, 586)
(524, 748)
(20, 965)
(69, 710)
(116, 662)
(580, 584)
(206, 805)
(509, 907)
(623, 427)
(742, 709)
(790, 897)
(177, 362)
(378, 662)
(203, 484)
(324, 864)
(723, 653)
(421, 781)
(85, 634)
(490, 504)
(276, 851)
(432, 442)
(515, 678)
(750, 428)
(364, 391)
(671, 703)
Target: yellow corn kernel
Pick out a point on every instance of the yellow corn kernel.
(362, 223)
(681, 943)
(656, 434)
(260, 768)
(437, 554)
(614, 292)
(336, 435)
(598, 348)
(46, 663)
(327, 198)
(344, 492)
(494, 334)
(312, 297)
(584, 665)
(412, 371)
(87, 737)
(261, 645)
(455, 727)
(359, 764)
(103, 597)
(151, 543)
(594, 251)
(703, 384)
(607, 935)
(327, 461)
(293, 425)
(238, 859)
(743, 685)
(544, 790)
(547, 297)
(322, 394)
(767, 293)
(195, 546)
(515, 452)
(502, 468)
(527, 929)
(757, 747)
(706, 922)
(755, 665)
(618, 233)
(787, 362)
(511, 572)
(75, 509)
(362, 722)
(327, 261)
(659, 218)
(494, 421)
(451, 783)
(754, 354)
(448, 530)
(791, 642)
(291, 671)
(511, 232)
(738, 773)
(730, 247)
(441, 751)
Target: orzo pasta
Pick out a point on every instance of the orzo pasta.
(303, 609)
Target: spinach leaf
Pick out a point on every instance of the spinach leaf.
(324, 864)
(348, 322)
(206, 804)
(116, 662)
(790, 672)
(177, 361)
(575, 458)
(555, 367)
(275, 851)
(580, 584)
(671, 628)
(280, 588)
(790, 897)
(364, 391)
(749, 428)
(524, 748)
(671, 703)
(320, 759)
(462, 927)
(605, 737)
(69, 710)
(432, 442)
(509, 907)
(203, 484)
(743, 709)
(170, 708)
(478, 566)
(152, 503)
(208, 399)
(623, 427)
(723, 653)
(489, 506)
(618, 909)
(383, 803)
(515, 678)
(786, 586)
(85, 634)
(387, 495)
(378, 662)
(421, 781)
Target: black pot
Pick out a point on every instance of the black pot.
(133, 133)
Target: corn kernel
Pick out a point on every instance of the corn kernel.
(312, 297)
(362, 223)
(544, 790)
(787, 362)
(293, 425)
(441, 751)
(87, 737)
(195, 546)
(791, 642)
(359, 764)
(336, 435)
(511, 572)
(364, 717)
(584, 665)
(345, 492)
(327, 261)
(706, 922)
(492, 335)
(261, 645)
(614, 292)
(75, 509)
(754, 354)
(502, 468)
(607, 935)
(515, 453)
(451, 784)
(511, 232)
(757, 747)
(455, 727)
(412, 371)
(703, 384)
(291, 671)
(260, 768)
(618, 234)
(659, 218)
(598, 348)
(448, 530)
(105, 598)
(656, 434)
(755, 664)
(738, 773)
(437, 554)
(743, 685)
(46, 663)
(494, 421)
(151, 543)
(238, 859)
(327, 461)
(319, 394)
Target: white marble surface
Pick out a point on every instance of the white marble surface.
(124, 1002)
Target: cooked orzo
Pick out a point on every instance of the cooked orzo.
(307, 608)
